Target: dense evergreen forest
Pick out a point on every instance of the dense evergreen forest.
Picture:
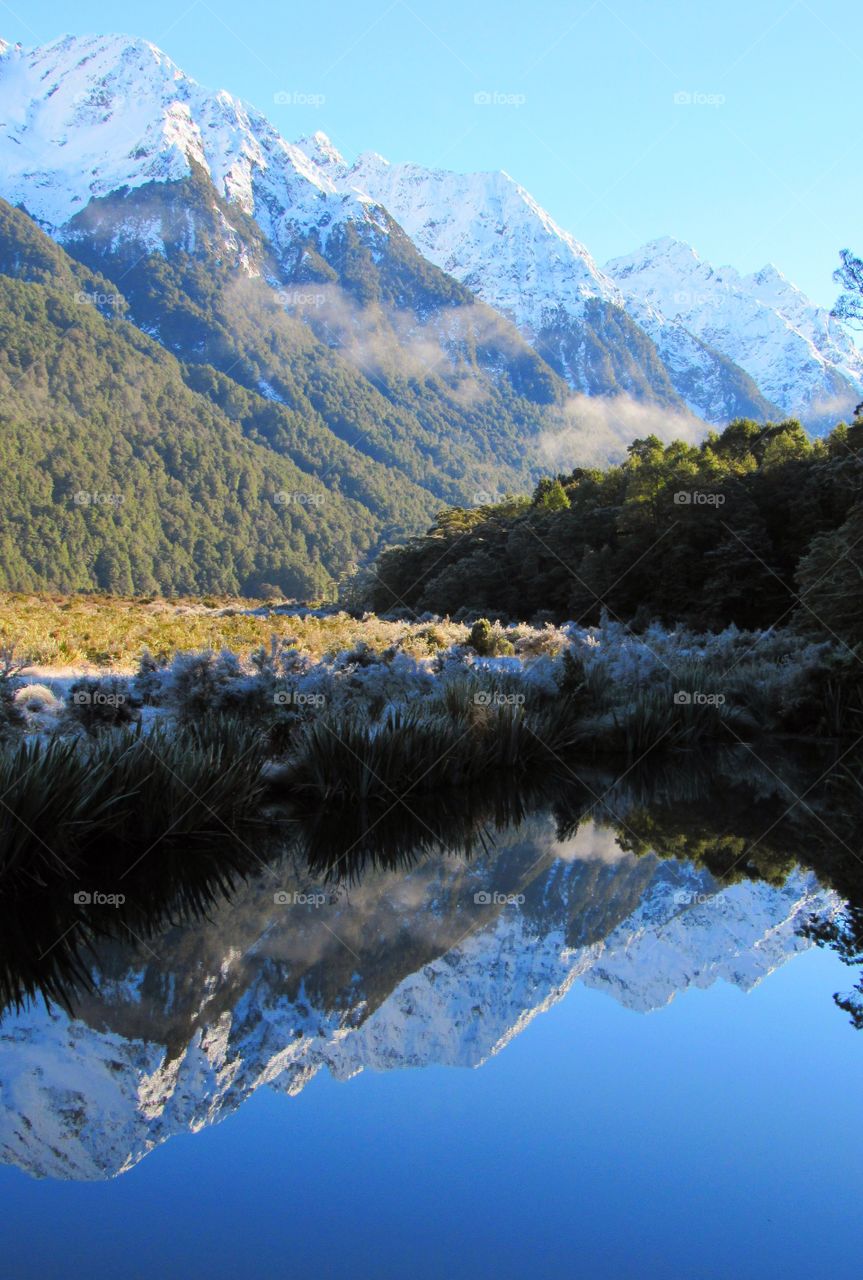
(173, 429)
(757, 525)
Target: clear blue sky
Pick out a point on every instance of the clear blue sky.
(762, 165)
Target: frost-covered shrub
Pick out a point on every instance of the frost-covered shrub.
(36, 698)
(196, 683)
(532, 642)
(819, 691)
(101, 702)
(608, 676)
(11, 715)
(373, 686)
(540, 676)
(362, 655)
(489, 639)
(148, 682)
(207, 683)
(775, 680)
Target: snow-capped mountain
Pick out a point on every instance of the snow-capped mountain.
(409, 970)
(488, 232)
(800, 357)
(482, 228)
(722, 338)
(97, 129)
(232, 249)
(87, 116)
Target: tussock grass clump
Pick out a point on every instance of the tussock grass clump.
(36, 697)
(122, 794)
(461, 737)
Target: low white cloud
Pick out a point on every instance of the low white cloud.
(595, 430)
(836, 409)
(591, 843)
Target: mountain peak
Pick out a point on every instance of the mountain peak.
(87, 116)
(71, 54)
(489, 232)
(318, 147)
(667, 249)
(769, 273)
(670, 244)
(796, 353)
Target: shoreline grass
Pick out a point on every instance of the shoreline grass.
(405, 710)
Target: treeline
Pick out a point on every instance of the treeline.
(755, 526)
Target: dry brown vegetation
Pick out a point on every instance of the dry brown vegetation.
(111, 632)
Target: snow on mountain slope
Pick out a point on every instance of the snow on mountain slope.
(88, 1097)
(488, 232)
(86, 116)
(682, 938)
(713, 386)
(800, 357)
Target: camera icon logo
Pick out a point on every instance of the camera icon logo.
(682, 698)
(483, 898)
(82, 898)
(281, 898)
(682, 498)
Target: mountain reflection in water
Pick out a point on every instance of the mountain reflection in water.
(406, 940)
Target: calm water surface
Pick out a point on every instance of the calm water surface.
(552, 1056)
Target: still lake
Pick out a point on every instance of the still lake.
(537, 1051)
